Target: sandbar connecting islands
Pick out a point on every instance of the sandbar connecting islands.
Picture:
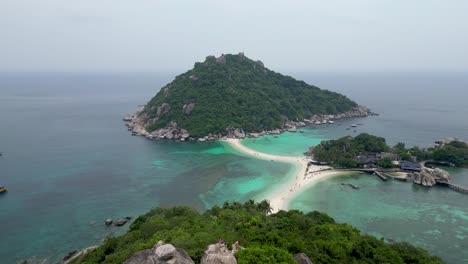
(306, 176)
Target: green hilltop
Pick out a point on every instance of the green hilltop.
(265, 238)
(233, 91)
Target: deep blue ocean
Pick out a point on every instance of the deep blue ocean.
(69, 162)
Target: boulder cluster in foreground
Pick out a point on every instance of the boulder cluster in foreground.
(162, 253)
(215, 254)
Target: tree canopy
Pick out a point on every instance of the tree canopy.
(342, 152)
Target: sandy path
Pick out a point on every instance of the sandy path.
(281, 197)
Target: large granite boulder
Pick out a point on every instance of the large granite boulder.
(429, 177)
(164, 108)
(302, 258)
(221, 59)
(188, 108)
(423, 178)
(441, 174)
(235, 133)
(218, 254)
(161, 254)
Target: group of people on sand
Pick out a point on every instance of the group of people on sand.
(235, 247)
(310, 174)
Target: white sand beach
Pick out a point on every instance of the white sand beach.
(305, 176)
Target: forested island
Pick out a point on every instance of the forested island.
(235, 96)
(256, 237)
(372, 153)
(365, 149)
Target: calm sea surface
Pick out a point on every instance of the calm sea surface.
(69, 162)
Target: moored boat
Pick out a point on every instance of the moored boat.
(3, 189)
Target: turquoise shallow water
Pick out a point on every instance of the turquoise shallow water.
(69, 162)
(435, 219)
(287, 144)
(245, 178)
(79, 165)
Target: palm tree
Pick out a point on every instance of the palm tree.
(265, 207)
(250, 205)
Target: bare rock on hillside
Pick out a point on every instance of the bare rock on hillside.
(218, 254)
(302, 258)
(161, 254)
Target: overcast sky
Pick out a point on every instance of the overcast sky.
(150, 35)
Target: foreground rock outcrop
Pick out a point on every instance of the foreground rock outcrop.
(161, 254)
(302, 258)
(218, 254)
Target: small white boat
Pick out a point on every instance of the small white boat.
(353, 125)
(331, 122)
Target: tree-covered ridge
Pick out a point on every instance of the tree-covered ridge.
(343, 152)
(235, 91)
(455, 152)
(266, 238)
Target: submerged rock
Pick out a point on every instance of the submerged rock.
(108, 222)
(122, 221)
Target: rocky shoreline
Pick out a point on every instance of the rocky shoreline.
(136, 125)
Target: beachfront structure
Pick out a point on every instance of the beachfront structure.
(389, 155)
(410, 166)
(315, 162)
(367, 160)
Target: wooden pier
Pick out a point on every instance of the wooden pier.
(379, 173)
(381, 176)
(455, 187)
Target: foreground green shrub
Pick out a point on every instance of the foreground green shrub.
(264, 255)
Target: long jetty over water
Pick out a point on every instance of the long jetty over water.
(454, 187)
(382, 174)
